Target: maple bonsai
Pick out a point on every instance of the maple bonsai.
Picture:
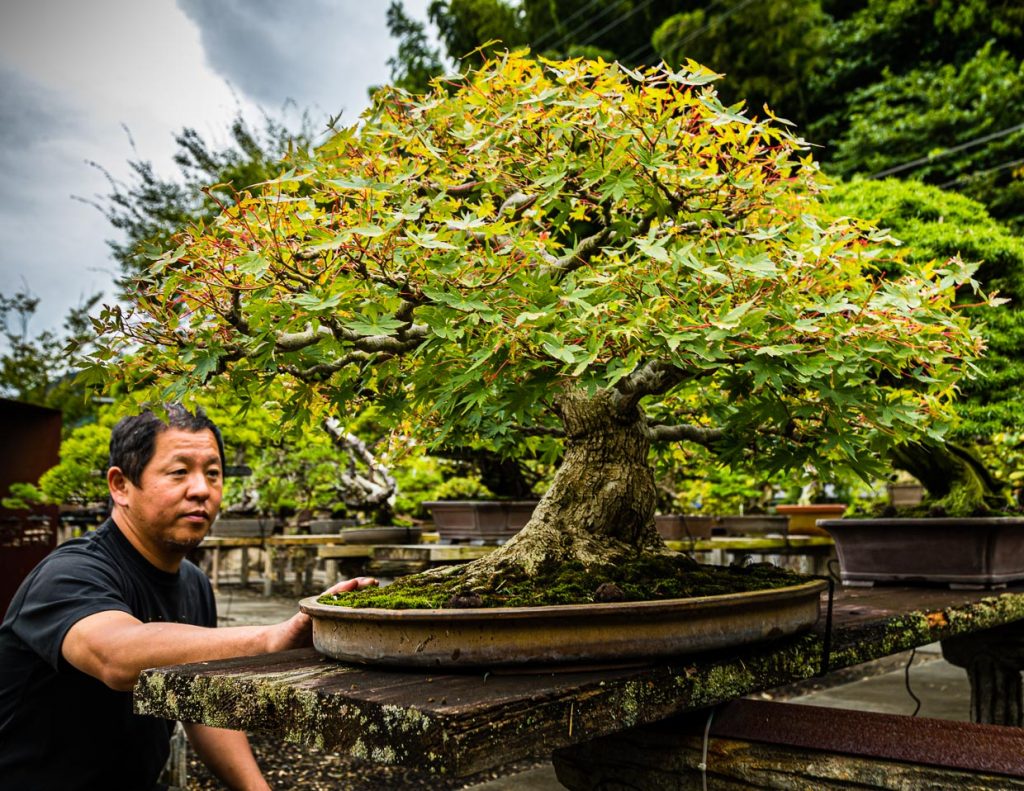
(567, 252)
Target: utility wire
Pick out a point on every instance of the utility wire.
(615, 22)
(602, 13)
(569, 19)
(946, 152)
(716, 18)
(980, 173)
(690, 37)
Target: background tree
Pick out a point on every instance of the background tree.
(938, 225)
(570, 252)
(41, 368)
(921, 90)
(767, 49)
(149, 209)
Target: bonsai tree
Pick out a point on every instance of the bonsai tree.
(568, 252)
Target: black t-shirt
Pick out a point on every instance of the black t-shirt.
(60, 728)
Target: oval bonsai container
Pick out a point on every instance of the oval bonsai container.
(483, 520)
(490, 637)
(971, 552)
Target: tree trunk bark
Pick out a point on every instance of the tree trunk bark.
(600, 506)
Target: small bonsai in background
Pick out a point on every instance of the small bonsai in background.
(543, 255)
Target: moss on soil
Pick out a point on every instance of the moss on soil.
(643, 579)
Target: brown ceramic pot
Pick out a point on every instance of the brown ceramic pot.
(960, 552)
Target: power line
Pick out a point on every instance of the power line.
(716, 18)
(690, 37)
(978, 174)
(571, 18)
(946, 152)
(567, 36)
(616, 21)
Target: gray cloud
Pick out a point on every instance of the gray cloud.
(31, 115)
(319, 53)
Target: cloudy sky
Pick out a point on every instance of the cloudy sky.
(76, 74)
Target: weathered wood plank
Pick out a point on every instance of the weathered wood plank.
(462, 723)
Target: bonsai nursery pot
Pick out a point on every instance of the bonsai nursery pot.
(497, 636)
(256, 527)
(957, 551)
(803, 519)
(679, 527)
(329, 526)
(750, 524)
(382, 534)
(487, 520)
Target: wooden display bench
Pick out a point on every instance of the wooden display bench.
(461, 723)
(278, 553)
(803, 554)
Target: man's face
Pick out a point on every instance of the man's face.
(177, 498)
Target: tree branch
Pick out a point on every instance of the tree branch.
(653, 378)
(702, 436)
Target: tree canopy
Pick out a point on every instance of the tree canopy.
(924, 90)
(467, 256)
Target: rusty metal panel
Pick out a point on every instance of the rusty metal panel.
(31, 445)
(992, 749)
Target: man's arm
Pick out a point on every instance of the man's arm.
(228, 755)
(116, 647)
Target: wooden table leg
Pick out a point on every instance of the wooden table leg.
(215, 570)
(244, 572)
(268, 571)
(993, 660)
(331, 571)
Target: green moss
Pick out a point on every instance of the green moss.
(644, 579)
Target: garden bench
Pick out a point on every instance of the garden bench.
(461, 723)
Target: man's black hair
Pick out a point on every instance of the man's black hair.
(133, 439)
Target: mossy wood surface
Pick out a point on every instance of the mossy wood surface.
(463, 723)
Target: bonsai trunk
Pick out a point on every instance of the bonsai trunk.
(600, 506)
(956, 479)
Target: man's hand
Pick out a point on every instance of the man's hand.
(297, 631)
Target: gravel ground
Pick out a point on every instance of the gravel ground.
(294, 766)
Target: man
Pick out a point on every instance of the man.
(98, 610)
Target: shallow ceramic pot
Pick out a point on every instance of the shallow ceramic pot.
(615, 632)
(960, 552)
(329, 526)
(679, 527)
(750, 525)
(484, 520)
(242, 528)
(803, 519)
(382, 534)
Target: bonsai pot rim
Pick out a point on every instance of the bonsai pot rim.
(559, 634)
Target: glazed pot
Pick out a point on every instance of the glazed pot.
(803, 519)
